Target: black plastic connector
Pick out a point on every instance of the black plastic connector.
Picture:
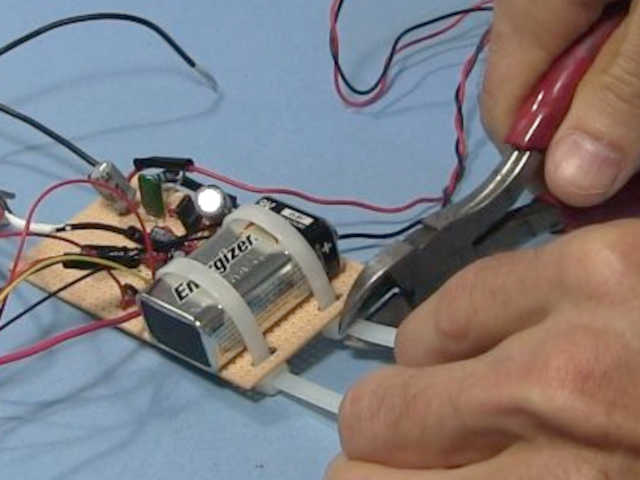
(167, 163)
(122, 255)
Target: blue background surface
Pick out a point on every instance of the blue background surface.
(106, 407)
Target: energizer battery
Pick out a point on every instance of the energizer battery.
(185, 319)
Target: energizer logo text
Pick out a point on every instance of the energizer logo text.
(229, 255)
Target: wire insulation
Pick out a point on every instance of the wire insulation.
(40, 228)
(379, 88)
(208, 78)
(380, 236)
(42, 235)
(56, 137)
(48, 297)
(394, 48)
(21, 277)
(47, 344)
(313, 198)
(125, 17)
(104, 227)
(48, 191)
(461, 147)
(99, 16)
(384, 83)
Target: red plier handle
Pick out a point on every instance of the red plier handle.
(544, 110)
(407, 272)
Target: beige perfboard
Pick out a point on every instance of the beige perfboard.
(99, 296)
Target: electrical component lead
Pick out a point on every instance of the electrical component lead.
(4, 206)
(108, 173)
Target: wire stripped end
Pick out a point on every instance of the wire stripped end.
(208, 78)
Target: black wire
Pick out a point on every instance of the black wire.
(69, 21)
(448, 193)
(180, 241)
(105, 227)
(171, 245)
(396, 42)
(134, 234)
(380, 236)
(48, 297)
(100, 16)
(49, 133)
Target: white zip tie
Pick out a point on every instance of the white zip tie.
(293, 385)
(295, 244)
(373, 333)
(228, 298)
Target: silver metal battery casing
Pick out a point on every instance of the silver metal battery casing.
(108, 173)
(254, 263)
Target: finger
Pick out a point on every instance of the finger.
(597, 149)
(423, 418)
(343, 469)
(497, 297)
(479, 307)
(525, 40)
(530, 461)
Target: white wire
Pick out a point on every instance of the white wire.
(40, 228)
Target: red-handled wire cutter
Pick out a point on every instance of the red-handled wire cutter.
(407, 272)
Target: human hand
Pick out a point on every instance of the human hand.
(597, 149)
(525, 365)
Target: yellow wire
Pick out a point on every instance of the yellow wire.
(62, 258)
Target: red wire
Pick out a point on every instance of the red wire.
(132, 206)
(334, 37)
(312, 198)
(49, 343)
(382, 89)
(456, 174)
(458, 121)
(354, 103)
(101, 324)
(41, 235)
(65, 240)
(25, 232)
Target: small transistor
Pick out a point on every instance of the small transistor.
(161, 236)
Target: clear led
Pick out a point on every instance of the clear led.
(211, 202)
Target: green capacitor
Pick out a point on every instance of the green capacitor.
(151, 196)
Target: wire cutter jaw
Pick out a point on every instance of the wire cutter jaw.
(407, 272)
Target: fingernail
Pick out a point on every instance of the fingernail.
(583, 165)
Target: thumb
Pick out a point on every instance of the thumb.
(526, 37)
(597, 149)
